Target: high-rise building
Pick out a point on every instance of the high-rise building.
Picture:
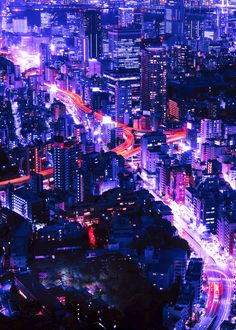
(150, 140)
(20, 25)
(80, 185)
(9, 195)
(152, 159)
(124, 48)
(123, 100)
(28, 205)
(122, 90)
(125, 16)
(58, 110)
(91, 28)
(153, 83)
(34, 161)
(36, 182)
(177, 185)
(179, 57)
(174, 20)
(194, 277)
(45, 57)
(115, 80)
(210, 129)
(226, 228)
(64, 159)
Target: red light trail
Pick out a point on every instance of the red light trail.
(125, 149)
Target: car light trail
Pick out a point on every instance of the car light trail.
(126, 149)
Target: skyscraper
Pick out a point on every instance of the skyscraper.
(120, 88)
(34, 162)
(45, 56)
(125, 16)
(80, 185)
(210, 129)
(179, 57)
(150, 140)
(174, 20)
(153, 83)
(36, 182)
(91, 27)
(124, 48)
(64, 159)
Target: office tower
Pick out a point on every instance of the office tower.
(58, 110)
(177, 185)
(226, 229)
(179, 56)
(34, 162)
(64, 159)
(80, 185)
(64, 126)
(114, 135)
(45, 58)
(153, 84)
(20, 25)
(9, 195)
(123, 100)
(115, 80)
(99, 100)
(46, 20)
(91, 29)
(174, 20)
(210, 129)
(124, 48)
(125, 16)
(45, 54)
(152, 159)
(94, 67)
(194, 277)
(173, 110)
(150, 140)
(36, 182)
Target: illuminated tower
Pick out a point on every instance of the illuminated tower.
(124, 47)
(125, 16)
(34, 162)
(36, 182)
(153, 83)
(91, 28)
(174, 20)
(210, 129)
(64, 160)
(45, 56)
(123, 100)
(80, 185)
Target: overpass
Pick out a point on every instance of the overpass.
(125, 149)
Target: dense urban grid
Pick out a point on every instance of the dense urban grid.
(118, 164)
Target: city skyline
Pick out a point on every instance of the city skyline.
(118, 164)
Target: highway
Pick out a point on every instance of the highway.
(219, 299)
(220, 278)
(219, 309)
(24, 179)
(126, 149)
(218, 272)
(128, 135)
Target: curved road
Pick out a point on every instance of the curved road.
(126, 149)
